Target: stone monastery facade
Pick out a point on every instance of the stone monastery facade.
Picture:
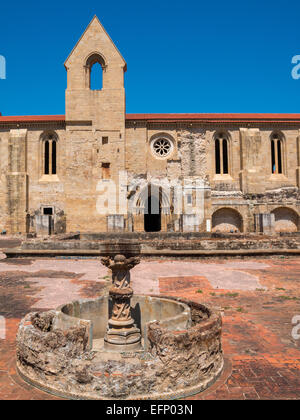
(98, 169)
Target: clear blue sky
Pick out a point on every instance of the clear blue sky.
(182, 56)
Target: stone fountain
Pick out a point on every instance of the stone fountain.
(122, 334)
(121, 345)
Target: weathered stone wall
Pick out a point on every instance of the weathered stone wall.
(45, 190)
(172, 241)
(74, 189)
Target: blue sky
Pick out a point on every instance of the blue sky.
(182, 56)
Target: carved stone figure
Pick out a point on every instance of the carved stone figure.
(122, 334)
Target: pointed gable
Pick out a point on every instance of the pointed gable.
(95, 39)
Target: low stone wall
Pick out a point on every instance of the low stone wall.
(229, 244)
(177, 363)
(170, 242)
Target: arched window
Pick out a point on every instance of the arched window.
(96, 77)
(50, 154)
(95, 66)
(221, 154)
(277, 153)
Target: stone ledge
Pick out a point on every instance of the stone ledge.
(17, 253)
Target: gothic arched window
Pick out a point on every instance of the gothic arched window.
(277, 153)
(221, 154)
(50, 154)
(95, 66)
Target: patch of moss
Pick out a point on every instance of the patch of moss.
(283, 297)
(233, 295)
(240, 310)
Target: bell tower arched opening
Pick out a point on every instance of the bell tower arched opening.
(95, 67)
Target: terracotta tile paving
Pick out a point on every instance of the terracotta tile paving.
(258, 299)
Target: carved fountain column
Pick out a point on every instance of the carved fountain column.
(122, 334)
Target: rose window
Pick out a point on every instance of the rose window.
(162, 147)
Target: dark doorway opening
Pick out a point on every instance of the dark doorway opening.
(152, 220)
(48, 211)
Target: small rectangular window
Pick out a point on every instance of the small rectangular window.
(104, 140)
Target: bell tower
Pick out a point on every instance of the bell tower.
(105, 107)
(95, 131)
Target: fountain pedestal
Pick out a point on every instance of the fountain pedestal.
(122, 334)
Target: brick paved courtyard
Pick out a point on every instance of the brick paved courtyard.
(258, 299)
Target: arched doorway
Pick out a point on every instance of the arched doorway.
(152, 215)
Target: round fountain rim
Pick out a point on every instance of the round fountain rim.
(182, 319)
(199, 328)
(171, 395)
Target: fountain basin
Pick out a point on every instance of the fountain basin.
(60, 351)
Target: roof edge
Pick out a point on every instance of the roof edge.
(210, 117)
(167, 118)
(32, 118)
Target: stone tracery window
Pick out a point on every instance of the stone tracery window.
(50, 154)
(221, 154)
(162, 147)
(277, 153)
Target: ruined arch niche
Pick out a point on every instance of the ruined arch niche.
(49, 152)
(286, 220)
(95, 67)
(226, 220)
